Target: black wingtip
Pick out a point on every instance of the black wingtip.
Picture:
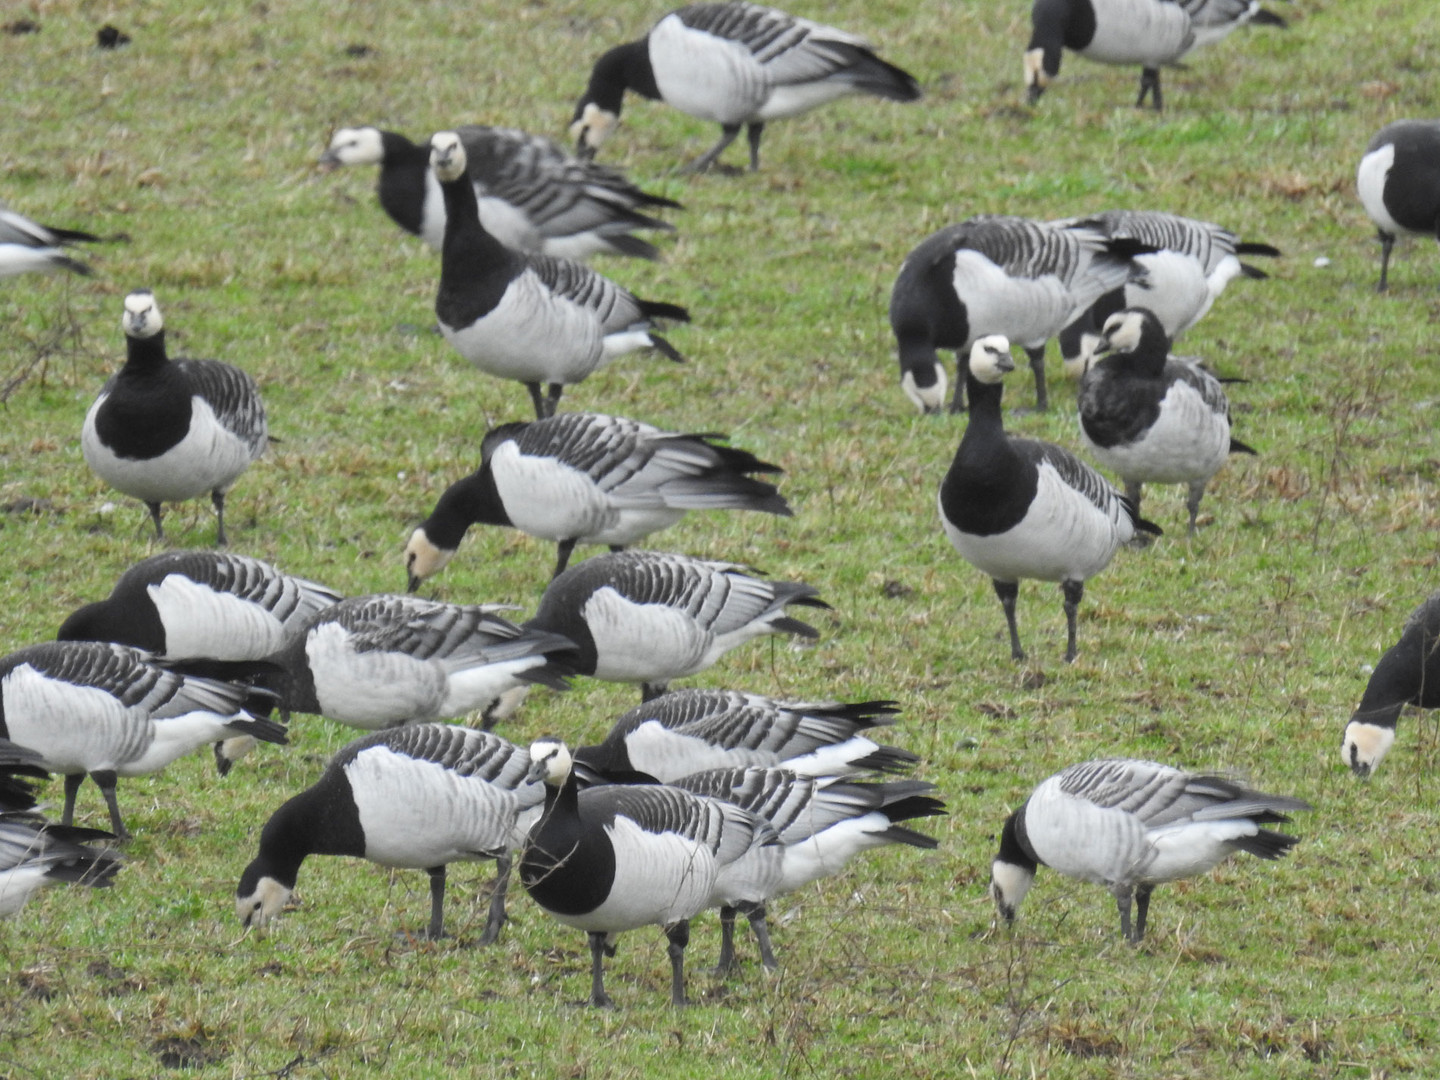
(1265, 250)
(1238, 447)
(1269, 18)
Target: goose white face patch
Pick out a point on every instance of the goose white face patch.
(447, 156)
(1365, 746)
(422, 558)
(1008, 885)
(990, 359)
(267, 901)
(593, 127)
(1035, 69)
(142, 316)
(356, 146)
(928, 399)
(551, 759)
(1122, 331)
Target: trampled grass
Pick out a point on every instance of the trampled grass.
(1242, 650)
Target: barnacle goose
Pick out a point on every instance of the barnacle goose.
(1019, 508)
(823, 823)
(1131, 825)
(533, 196)
(648, 617)
(996, 274)
(382, 660)
(735, 64)
(104, 710)
(587, 478)
(418, 797)
(211, 612)
(27, 245)
(1152, 33)
(164, 431)
(1152, 419)
(1179, 282)
(532, 318)
(1399, 184)
(1408, 674)
(690, 731)
(618, 857)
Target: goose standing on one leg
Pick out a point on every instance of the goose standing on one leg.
(648, 617)
(1131, 825)
(533, 196)
(27, 245)
(1152, 33)
(737, 64)
(591, 479)
(1152, 419)
(418, 798)
(1019, 508)
(615, 858)
(994, 274)
(531, 318)
(1408, 674)
(1399, 184)
(166, 431)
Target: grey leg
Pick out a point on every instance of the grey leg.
(728, 133)
(1037, 366)
(217, 499)
(1387, 242)
(1149, 84)
(752, 134)
(154, 507)
(1197, 492)
(1007, 591)
(1074, 593)
(496, 918)
(726, 963)
(761, 929)
(650, 691)
(105, 781)
(1122, 903)
(562, 556)
(1142, 909)
(679, 936)
(436, 930)
(598, 998)
(72, 787)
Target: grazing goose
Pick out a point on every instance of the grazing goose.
(616, 857)
(1003, 275)
(690, 731)
(164, 431)
(1152, 419)
(104, 710)
(1152, 33)
(1399, 184)
(1131, 825)
(586, 478)
(531, 318)
(34, 853)
(1408, 674)
(648, 617)
(379, 661)
(823, 823)
(418, 798)
(533, 196)
(27, 245)
(735, 64)
(1020, 508)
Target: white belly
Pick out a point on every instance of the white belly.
(706, 76)
(531, 336)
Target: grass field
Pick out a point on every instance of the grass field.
(1243, 650)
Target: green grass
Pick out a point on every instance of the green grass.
(1244, 649)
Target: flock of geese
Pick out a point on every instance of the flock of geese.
(697, 799)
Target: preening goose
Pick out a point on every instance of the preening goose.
(995, 274)
(1131, 825)
(584, 478)
(104, 710)
(1019, 508)
(1152, 419)
(649, 617)
(381, 660)
(166, 431)
(27, 245)
(1399, 184)
(823, 823)
(1152, 33)
(418, 797)
(618, 857)
(1408, 674)
(533, 196)
(531, 318)
(689, 731)
(737, 64)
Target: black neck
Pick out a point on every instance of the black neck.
(625, 67)
(402, 177)
(1015, 844)
(471, 501)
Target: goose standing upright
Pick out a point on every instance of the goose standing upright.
(1399, 184)
(1152, 419)
(1131, 825)
(418, 797)
(649, 617)
(1152, 33)
(166, 431)
(1408, 674)
(27, 245)
(995, 274)
(104, 710)
(533, 196)
(616, 857)
(1019, 508)
(587, 478)
(531, 318)
(737, 64)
